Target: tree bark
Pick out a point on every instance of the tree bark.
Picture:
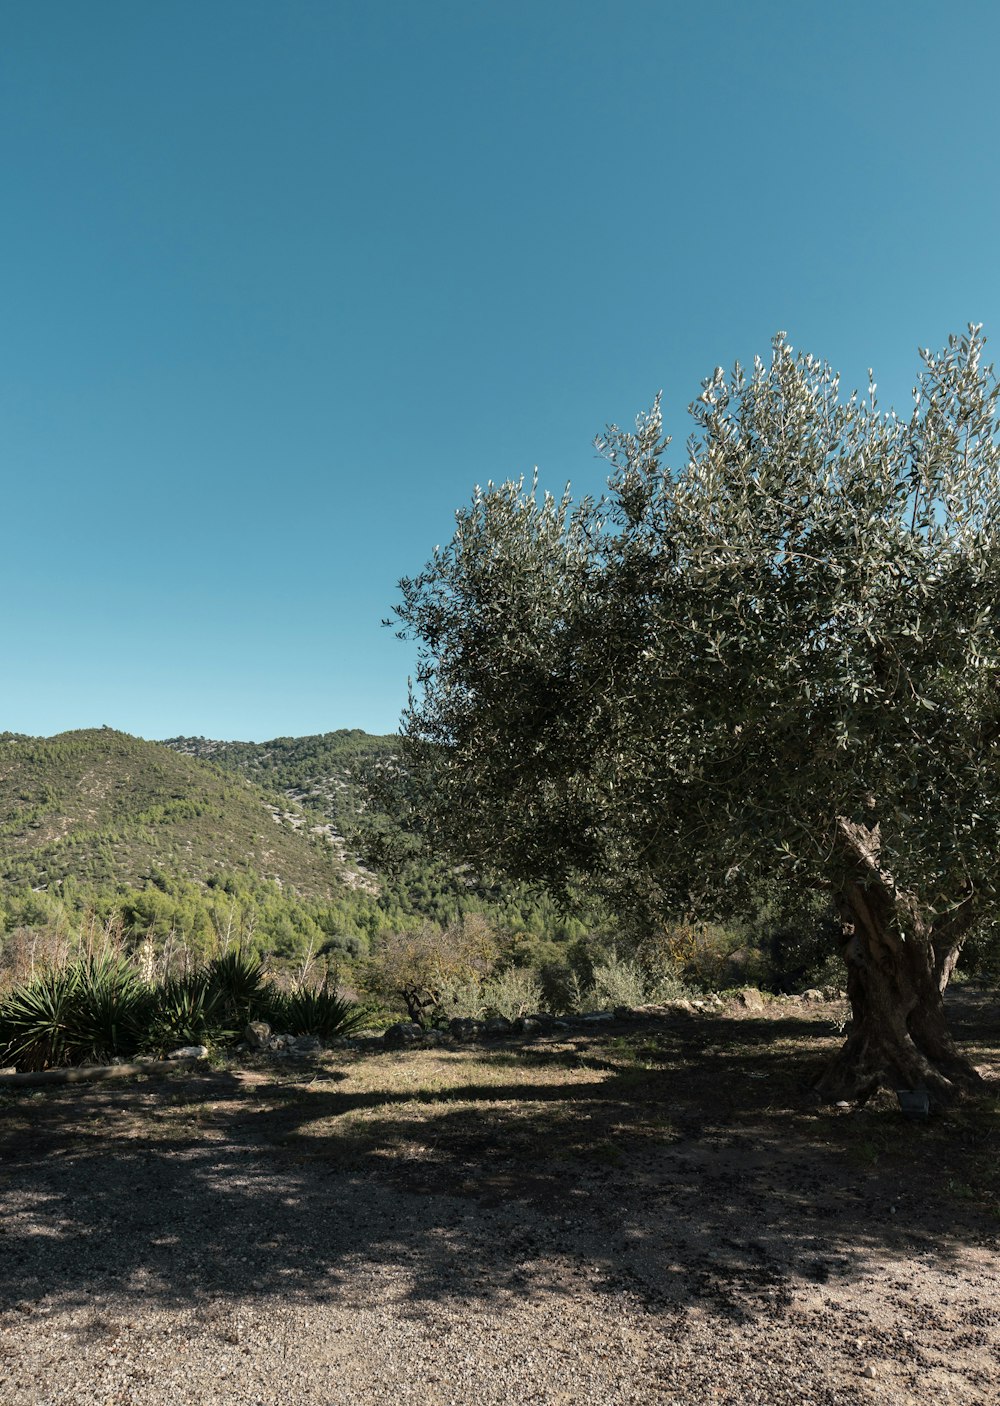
(899, 1037)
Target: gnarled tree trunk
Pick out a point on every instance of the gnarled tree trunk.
(896, 979)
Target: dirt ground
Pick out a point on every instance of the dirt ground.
(654, 1212)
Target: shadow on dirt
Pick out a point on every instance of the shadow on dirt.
(678, 1160)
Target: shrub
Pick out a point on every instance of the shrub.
(697, 954)
(106, 1011)
(319, 1012)
(671, 987)
(512, 993)
(559, 986)
(235, 979)
(184, 1010)
(90, 1010)
(796, 936)
(617, 982)
(33, 1018)
(25, 952)
(461, 1000)
(432, 962)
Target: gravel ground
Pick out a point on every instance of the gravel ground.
(231, 1239)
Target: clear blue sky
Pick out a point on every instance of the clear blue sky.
(282, 281)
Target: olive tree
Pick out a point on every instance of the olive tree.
(779, 657)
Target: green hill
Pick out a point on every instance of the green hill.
(331, 776)
(102, 806)
(325, 773)
(197, 841)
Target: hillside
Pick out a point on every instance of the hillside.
(195, 838)
(324, 773)
(101, 806)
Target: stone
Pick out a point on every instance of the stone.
(403, 1033)
(871, 1372)
(463, 1028)
(750, 999)
(914, 1103)
(813, 995)
(598, 1017)
(257, 1034)
(304, 1044)
(189, 1052)
(277, 1044)
(499, 1025)
(528, 1026)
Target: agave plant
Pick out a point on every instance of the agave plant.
(235, 979)
(88, 1011)
(106, 1011)
(319, 1012)
(33, 1018)
(185, 1010)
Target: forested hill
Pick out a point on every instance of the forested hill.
(99, 806)
(187, 839)
(325, 773)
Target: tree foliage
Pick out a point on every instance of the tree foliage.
(778, 659)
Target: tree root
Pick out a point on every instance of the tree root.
(867, 1063)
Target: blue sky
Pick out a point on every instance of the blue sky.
(282, 282)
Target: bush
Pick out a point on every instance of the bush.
(980, 954)
(559, 986)
(98, 1008)
(184, 1010)
(91, 1010)
(461, 1000)
(617, 982)
(107, 1010)
(27, 951)
(694, 954)
(512, 993)
(796, 936)
(670, 988)
(33, 1019)
(431, 962)
(235, 980)
(321, 1012)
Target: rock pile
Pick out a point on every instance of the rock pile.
(406, 1034)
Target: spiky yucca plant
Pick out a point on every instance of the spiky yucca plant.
(89, 1011)
(235, 979)
(318, 1012)
(185, 1010)
(33, 1018)
(107, 1010)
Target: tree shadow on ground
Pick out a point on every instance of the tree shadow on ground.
(675, 1161)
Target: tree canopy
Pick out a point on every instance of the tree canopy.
(779, 656)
